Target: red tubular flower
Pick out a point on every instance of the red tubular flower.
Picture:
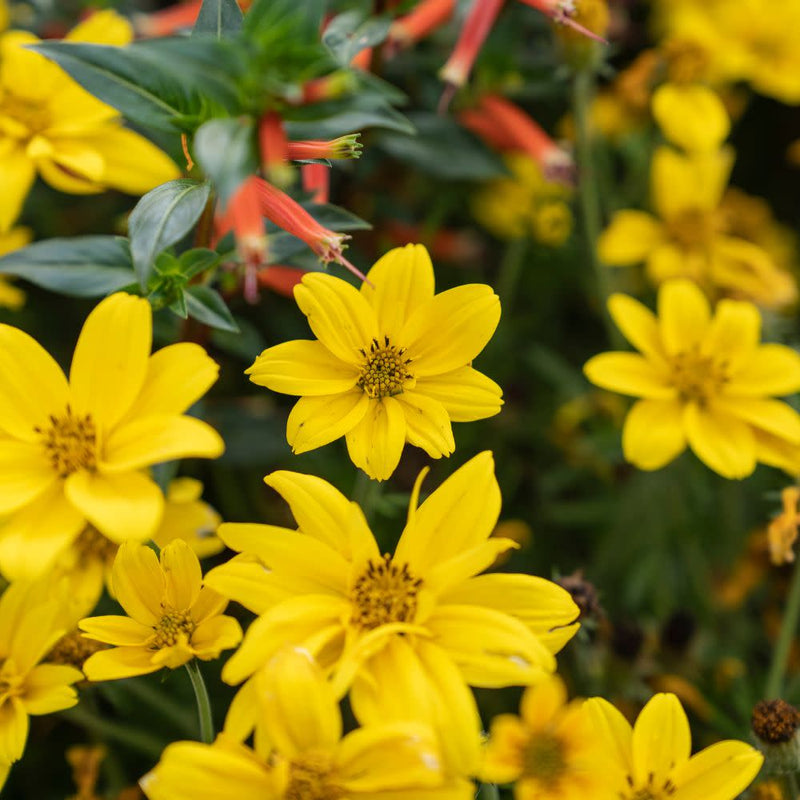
(343, 147)
(527, 135)
(167, 21)
(476, 28)
(316, 181)
(562, 11)
(362, 59)
(274, 149)
(329, 87)
(426, 17)
(280, 279)
(286, 213)
(485, 128)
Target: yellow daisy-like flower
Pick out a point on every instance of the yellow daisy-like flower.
(76, 451)
(653, 760)
(307, 757)
(391, 364)
(51, 126)
(172, 617)
(421, 622)
(550, 752)
(31, 622)
(689, 237)
(705, 381)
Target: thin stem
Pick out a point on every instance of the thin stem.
(780, 655)
(203, 702)
(583, 87)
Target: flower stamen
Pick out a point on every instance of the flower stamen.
(310, 779)
(384, 593)
(172, 626)
(70, 443)
(385, 370)
(697, 377)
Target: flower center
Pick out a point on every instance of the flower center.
(70, 442)
(73, 649)
(384, 370)
(651, 792)
(698, 378)
(11, 682)
(543, 759)
(91, 546)
(693, 229)
(384, 593)
(172, 626)
(310, 778)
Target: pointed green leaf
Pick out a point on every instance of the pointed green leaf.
(205, 305)
(163, 217)
(225, 149)
(220, 18)
(347, 35)
(81, 266)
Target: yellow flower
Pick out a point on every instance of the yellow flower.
(692, 116)
(526, 204)
(10, 296)
(706, 382)
(308, 758)
(172, 618)
(653, 760)
(392, 364)
(690, 238)
(420, 621)
(50, 125)
(75, 451)
(30, 624)
(550, 752)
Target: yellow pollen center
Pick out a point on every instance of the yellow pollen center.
(172, 625)
(651, 791)
(385, 370)
(12, 684)
(698, 378)
(70, 442)
(384, 593)
(91, 546)
(543, 759)
(693, 229)
(311, 778)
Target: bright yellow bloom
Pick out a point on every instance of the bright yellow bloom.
(31, 622)
(705, 381)
(391, 364)
(307, 757)
(551, 751)
(690, 238)
(76, 451)
(526, 204)
(50, 125)
(653, 760)
(420, 621)
(692, 117)
(10, 296)
(172, 617)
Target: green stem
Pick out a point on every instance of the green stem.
(583, 87)
(203, 702)
(780, 655)
(144, 693)
(105, 729)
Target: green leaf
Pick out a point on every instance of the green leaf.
(197, 260)
(225, 149)
(219, 17)
(163, 217)
(207, 306)
(347, 35)
(81, 266)
(381, 115)
(179, 306)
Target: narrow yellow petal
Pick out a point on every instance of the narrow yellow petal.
(719, 772)
(653, 434)
(661, 740)
(376, 442)
(182, 574)
(466, 394)
(138, 583)
(102, 27)
(427, 424)
(19, 174)
(116, 630)
(638, 324)
(691, 116)
(629, 239)
(734, 333)
(721, 441)
(772, 416)
(684, 315)
(631, 374)
(48, 688)
(616, 731)
(317, 421)
(13, 730)
(541, 703)
(119, 662)
(214, 635)
(25, 473)
(773, 370)
(246, 582)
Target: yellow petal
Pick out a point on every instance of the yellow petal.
(631, 374)
(19, 174)
(734, 333)
(338, 314)
(182, 574)
(127, 505)
(317, 421)
(629, 239)
(242, 713)
(116, 630)
(102, 27)
(451, 329)
(719, 772)
(138, 583)
(25, 473)
(247, 583)
(721, 441)
(403, 281)
(214, 635)
(40, 627)
(48, 689)
(453, 571)
(119, 662)
(689, 183)
(691, 116)
(303, 368)
(299, 710)
(68, 164)
(13, 730)
(638, 324)
(772, 416)
(466, 394)
(153, 440)
(661, 740)
(427, 424)
(773, 370)
(671, 261)
(376, 442)
(653, 434)
(32, 385)
(541, 704)
(110, 361)
(457, 517)
(502, 756)
(683, 314)
(177, 377)
(323, 512)
(616, 731)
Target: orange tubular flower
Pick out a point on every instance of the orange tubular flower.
(527, 135)
(280, 279)
(476, 28)
(562, 11)
(425, 18)
(243, 216)
(333, 149)
(274, 149)
(167, 21)
(316, 181)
